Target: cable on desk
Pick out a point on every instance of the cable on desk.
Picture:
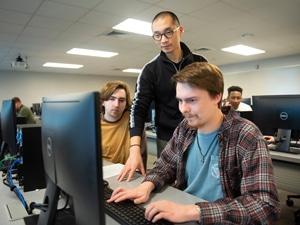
(67, 201)
(13, 187)
(44, 207)
(10, 183)
(39, 206)
(3, 167)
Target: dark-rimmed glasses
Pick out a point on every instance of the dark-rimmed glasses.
(168, 34)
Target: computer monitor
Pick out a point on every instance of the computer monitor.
(36, 109)
(8, 128)
(246, 100)
(247, 115)
(71, 145)
(278, 114)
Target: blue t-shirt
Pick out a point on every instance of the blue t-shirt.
(203, 178)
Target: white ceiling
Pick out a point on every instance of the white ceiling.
(43, 30)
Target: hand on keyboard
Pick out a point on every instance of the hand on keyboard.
(139, 194)
(126, 212)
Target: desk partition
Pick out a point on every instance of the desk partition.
(286, 169)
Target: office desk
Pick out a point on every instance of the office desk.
(287, 170)
(169, 193)
(286, 157)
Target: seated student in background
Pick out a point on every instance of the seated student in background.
(234, 99)
(23, 111)
(221, 158)
(116, 103)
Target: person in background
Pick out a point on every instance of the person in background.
(221, 158)
(23, 111)
(154, 84)
(116, 103)
(235, 99)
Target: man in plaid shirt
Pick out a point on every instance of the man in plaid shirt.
(219, 157)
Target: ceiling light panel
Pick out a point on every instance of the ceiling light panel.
(135, 26)
(63, 65)
(131, 70)
(243, 50)
(90, 52)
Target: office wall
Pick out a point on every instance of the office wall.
(264, 77)
(31, 87)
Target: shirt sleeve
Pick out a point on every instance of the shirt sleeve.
(142, 100)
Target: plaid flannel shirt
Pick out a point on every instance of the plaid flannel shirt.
(246, 173)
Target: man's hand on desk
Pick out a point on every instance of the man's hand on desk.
(133, 162)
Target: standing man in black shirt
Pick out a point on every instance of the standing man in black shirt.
(154, 84)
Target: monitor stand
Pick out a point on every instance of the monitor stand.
(51, 216)
(62, 217)
(284, 137)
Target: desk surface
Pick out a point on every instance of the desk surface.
(150, 134)
(8, 197)
(283, 156)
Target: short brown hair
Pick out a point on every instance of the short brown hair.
(202, 75)
(16, 99)
(109, 88)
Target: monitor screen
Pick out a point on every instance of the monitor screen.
(8, 127)
(246, 100)
(279, 115)
(36, 109)
(247, 115)
(71, 145)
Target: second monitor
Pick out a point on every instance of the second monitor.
(280, 115)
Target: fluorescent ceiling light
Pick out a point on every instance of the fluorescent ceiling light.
(62, 65)
(135, 26)
(243, 50)
(130, 70)
(90, 52)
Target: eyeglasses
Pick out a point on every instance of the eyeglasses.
(168, 34)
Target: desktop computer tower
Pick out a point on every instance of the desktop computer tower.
(31, 171)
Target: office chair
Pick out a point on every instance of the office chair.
(290, 202)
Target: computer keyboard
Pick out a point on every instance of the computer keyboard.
(126, 212)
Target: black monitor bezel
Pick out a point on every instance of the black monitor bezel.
(86, 191)
(9, 127)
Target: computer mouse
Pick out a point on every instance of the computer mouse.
(105, 183)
